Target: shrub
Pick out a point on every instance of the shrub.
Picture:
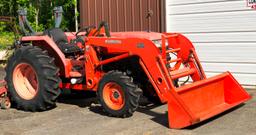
(6, 39)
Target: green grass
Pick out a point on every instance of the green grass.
(6, 40)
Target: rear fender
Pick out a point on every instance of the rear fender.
(46, 43)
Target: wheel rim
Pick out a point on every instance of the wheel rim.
(113, 96)
(25, 81)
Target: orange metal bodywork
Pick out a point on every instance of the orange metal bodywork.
(115, 103)
(188, 104)
(205, 99)
(4, 99)
(25, 81)
(3, 89)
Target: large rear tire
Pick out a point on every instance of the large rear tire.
(32, 79)
(118, 95)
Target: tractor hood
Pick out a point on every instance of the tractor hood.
(146, 35)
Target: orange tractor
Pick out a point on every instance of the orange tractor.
(119, 67)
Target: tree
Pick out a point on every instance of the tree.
(76, 15)
(36, 4)
(73, 4)
(40, 12)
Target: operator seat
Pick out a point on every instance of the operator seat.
(61, 40)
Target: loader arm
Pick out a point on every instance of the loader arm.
(153, 65)
(141, 48)
(152, 59)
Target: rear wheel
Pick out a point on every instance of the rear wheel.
(118, 94)
(32, 79)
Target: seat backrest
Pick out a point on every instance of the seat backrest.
(57, 34)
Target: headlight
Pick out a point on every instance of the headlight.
(158, 43)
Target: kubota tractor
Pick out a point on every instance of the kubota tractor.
(119, 67)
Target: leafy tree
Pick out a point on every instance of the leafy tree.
(40, 12)
(40, 16)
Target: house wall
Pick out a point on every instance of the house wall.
(223, 32)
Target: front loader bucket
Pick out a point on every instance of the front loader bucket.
(204, 99)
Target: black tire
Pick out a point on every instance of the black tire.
(131, 93)
(47, 76)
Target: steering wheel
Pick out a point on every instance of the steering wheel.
(91, 31)
(104, 25)
(86, 29)
(96, 32)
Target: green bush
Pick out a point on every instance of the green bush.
(6, 40)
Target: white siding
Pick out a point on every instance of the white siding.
(223, 32)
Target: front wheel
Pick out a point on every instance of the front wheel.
(118, 95)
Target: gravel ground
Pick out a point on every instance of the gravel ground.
(76, 114)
